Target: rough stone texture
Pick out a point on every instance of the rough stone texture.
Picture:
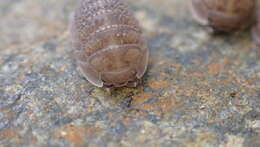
(199, 90)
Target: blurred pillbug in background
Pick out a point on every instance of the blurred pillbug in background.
(224, 15)
(109, 46)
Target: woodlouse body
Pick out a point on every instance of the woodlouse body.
(224, 15)
(110, 48)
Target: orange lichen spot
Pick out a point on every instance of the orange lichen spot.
(202, 139)
(148, 107)
(78, 135)
(157, 84)
(214, 68)
(167, 104)
(110, 115)
(142, 97)
(125, 122)
(185, 90)
(203, 94)
(92, 130)
(72, 133)
(160, 105)
(8, 134)
(197, 74)
(33, 139)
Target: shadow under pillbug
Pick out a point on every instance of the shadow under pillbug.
(108, 42)
(224, 15)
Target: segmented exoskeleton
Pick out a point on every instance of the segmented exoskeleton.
(109, 45)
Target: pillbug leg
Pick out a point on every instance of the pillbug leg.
(132, 84)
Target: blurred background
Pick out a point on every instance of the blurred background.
(199, 89)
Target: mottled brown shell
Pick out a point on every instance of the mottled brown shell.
(224, 15)
(109, 46)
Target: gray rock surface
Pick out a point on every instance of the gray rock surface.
(199, 90)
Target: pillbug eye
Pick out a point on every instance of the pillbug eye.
(108, 43)
(224, 15)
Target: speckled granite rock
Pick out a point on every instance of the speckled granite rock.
(199, 90)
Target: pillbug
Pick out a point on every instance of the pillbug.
(109, 46)
(224, 15)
